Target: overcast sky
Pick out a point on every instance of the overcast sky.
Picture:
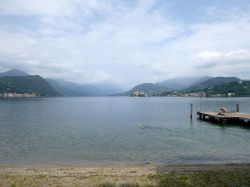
(125, 41)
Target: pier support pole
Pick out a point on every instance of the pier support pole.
(200, 115)
(191, 111)
(237, 108)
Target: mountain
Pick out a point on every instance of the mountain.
(19, 84)
(210, 83)
(148, 88)
(108, 88)
(13, 73)
(68, 88)
(26, 84)
(240, 88)
(182, 82)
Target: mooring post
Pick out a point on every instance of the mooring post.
(191, 111)
(237, 108)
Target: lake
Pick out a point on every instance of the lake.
(104, 130)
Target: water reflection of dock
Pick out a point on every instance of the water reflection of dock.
(225, 117)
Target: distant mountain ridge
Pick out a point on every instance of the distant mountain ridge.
(175, 85)
(59, 87)
(108, 88)
(67, 88)
(182, 82)
(20, 82)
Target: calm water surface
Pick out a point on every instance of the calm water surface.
(103, 130)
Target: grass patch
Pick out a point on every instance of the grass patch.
(108, 184)
(203, 178)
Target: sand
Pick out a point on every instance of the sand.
(74, 176)
(104, 176)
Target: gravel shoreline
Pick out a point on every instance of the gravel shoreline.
(147, 175)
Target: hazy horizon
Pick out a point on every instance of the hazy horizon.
(125, 43)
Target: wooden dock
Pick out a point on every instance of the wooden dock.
(227, 117)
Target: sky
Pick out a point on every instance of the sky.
(125, 42)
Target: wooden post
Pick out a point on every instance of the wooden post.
(200, 115)
(237, 108)
(191, 111)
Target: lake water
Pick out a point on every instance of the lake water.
(103, 130)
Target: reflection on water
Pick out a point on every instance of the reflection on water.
(104, 130)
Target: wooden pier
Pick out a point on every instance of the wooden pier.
(225, 117)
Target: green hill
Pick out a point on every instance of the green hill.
(148, 88)
(241, 88)
(26, 84)
(210, 83)
(182, 82)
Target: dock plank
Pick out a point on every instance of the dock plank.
(225, 117)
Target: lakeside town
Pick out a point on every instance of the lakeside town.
(18, 95)
(181, 94)
(133, 94)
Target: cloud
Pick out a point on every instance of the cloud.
(49, 8)
(229, 63)
(230, 57)
(208, 49)
(124, 41)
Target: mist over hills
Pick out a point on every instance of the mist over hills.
(19, 81)
(169, 85)
(214, 82)
(108, 88)
(182, 82)
(68, 88)
(185, 84)
(14, 73)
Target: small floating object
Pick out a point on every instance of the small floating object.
(140, 125)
